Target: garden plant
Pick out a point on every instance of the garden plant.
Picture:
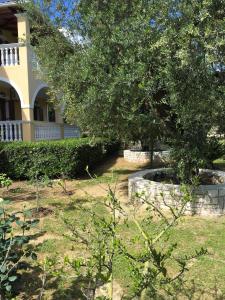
(102, 246)
(14, 248)
(138, 71)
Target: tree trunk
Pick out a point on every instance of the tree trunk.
(151, 152)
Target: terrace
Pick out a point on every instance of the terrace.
(26, 112)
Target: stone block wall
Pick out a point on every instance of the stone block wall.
(208, 199)
(143, 157)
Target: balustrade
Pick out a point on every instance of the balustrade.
(47, 131)
(10, 131)
(71, 131)
(9, 55)
(13, 131)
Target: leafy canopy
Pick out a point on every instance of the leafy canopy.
(139, 70)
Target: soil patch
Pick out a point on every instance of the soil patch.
(41, 212)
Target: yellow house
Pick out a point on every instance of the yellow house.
(25, 112)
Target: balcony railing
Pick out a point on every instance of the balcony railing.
(53, 131)
(9, 55)
(71, 131)
(11, 131)
(47, 131)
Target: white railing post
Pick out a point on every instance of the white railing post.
(6, 57)
(11, 131)
(19, 132)
(6, 132)
(9, 54)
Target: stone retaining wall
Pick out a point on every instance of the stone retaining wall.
(208, 200)
(144, 156)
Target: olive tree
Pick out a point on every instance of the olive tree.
(140, 70)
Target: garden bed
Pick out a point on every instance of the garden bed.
(206, 177)
(162, 188)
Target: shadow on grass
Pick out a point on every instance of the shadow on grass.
(30, 196)
(78, 286)
(29, 286)
(72, 205)
(29, 283)
(37, 235)
(195, 291)
(105, 167)
(219, 166)
(73, 292)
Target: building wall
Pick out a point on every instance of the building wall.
(23, 78)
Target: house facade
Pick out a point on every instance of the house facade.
(25, 110)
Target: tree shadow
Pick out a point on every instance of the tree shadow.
(74, 291)
(72, 205)
(196, 291)
(37, 235)
(30, 196)
(106, 165)
(29, 282)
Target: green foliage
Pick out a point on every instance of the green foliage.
(144, 69)
(188, 162)
(215, 150)
(13, 246)
(38, 182)
(149, 251)
(62, 184)
(99, 237)
(70, 157)
(150, 266)
(5, 181)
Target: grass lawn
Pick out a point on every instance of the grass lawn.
(205, 279)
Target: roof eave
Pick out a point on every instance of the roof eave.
(8, 4)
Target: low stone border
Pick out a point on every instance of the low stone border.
(210, 199)
(145, 156)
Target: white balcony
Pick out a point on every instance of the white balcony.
(71, 131)
(11, 131)
(9, 55)
(53, 131)
(47, 131)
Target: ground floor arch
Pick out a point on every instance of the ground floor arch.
(10, 105)
(10, 113)
(39, 120)
(43, 106)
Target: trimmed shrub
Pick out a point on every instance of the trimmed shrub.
(53, 158)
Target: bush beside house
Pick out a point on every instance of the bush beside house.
(53, 158)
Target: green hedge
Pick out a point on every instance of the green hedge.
(19, 160)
